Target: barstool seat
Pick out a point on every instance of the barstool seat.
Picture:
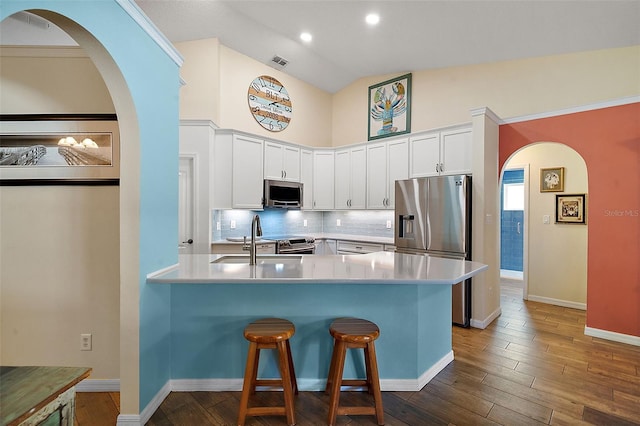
(269, 333)
(354, 333)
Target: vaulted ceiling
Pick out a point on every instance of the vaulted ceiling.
(412, 35)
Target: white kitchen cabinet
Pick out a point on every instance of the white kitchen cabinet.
(247, 176)
(351, 247)
(386, 163)
(445, 152)
(325, 247)
(281, 162)
(350, 178)
(323, 180)
(306, 177)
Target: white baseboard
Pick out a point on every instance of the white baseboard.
(96, 385)
(612, 335)
(129, 420)
(232, 385)
(557, 302)
(484, 323)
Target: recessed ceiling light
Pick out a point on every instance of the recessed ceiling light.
(306, 37)
(372, 19)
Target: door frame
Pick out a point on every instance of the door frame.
(191, 159)
(525, 220)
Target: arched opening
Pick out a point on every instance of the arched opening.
(555, 251)
(105, 253)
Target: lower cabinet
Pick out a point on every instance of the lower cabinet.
(325, 247)
(236, 248)
(350, 247)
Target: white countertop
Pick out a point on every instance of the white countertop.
(320, 236)
(372, 268)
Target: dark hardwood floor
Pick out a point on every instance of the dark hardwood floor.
(531, 366)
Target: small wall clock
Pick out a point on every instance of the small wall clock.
(269, 103)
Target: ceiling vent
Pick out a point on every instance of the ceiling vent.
(278, 62)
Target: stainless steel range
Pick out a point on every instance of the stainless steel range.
(293, 245)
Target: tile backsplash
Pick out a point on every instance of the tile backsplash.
(237, 223)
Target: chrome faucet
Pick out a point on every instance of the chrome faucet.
(256, 231)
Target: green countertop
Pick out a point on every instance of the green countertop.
(24, 390)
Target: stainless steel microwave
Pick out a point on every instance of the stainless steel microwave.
(282, 194)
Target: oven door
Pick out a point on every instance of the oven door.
(306, 249)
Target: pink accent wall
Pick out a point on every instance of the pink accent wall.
(609, 141)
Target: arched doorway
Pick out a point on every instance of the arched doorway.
(148, 192)
(555, 254)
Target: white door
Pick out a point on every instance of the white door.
(186, 208)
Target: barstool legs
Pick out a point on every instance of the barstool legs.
(335, 381)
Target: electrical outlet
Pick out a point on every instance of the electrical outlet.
(546, 219)
(233, 224)
(217, 226)
(85, 342)
(338, 222)
(304, 222)
(388, 224)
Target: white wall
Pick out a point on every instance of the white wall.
(557, 260)
(59, 245)
(444, 97)
(228, 106)
(51, 80)
(60, 276)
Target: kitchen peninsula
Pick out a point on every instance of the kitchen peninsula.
(213, 297)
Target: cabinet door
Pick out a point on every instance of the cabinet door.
(358, 178)
(377, 176)
(273, 164)
(425, 155)
(291, 163)
(342, 178)
(397, 167)
(247, 175)
(306, 177)
(456, 151)
(323, 178)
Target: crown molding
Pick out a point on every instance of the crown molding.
(149, 27)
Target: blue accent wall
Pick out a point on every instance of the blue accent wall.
(208, 322)
(511, 242)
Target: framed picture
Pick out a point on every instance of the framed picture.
(390, 108)
(56, 150)
(552, 179)
(570, 208)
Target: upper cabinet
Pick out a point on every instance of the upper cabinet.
(323, 178)
(236, 171)
(306, 177)
(357, 177)
(281, 162)
(247, 173)
(444, 152)
(350, 178)
(386, 163)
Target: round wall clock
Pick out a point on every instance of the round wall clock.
(269, 103)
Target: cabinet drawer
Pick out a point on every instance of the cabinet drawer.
(236, 248)
(354, 247)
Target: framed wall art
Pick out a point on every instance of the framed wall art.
(570, 208)
(38, 150)
(390, 108)
(552, 179)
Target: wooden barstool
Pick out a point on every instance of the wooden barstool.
(269, 333)
(354, 333)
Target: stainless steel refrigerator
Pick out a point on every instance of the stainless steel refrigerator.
(433, 216)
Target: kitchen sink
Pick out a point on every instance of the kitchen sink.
(260, 260)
